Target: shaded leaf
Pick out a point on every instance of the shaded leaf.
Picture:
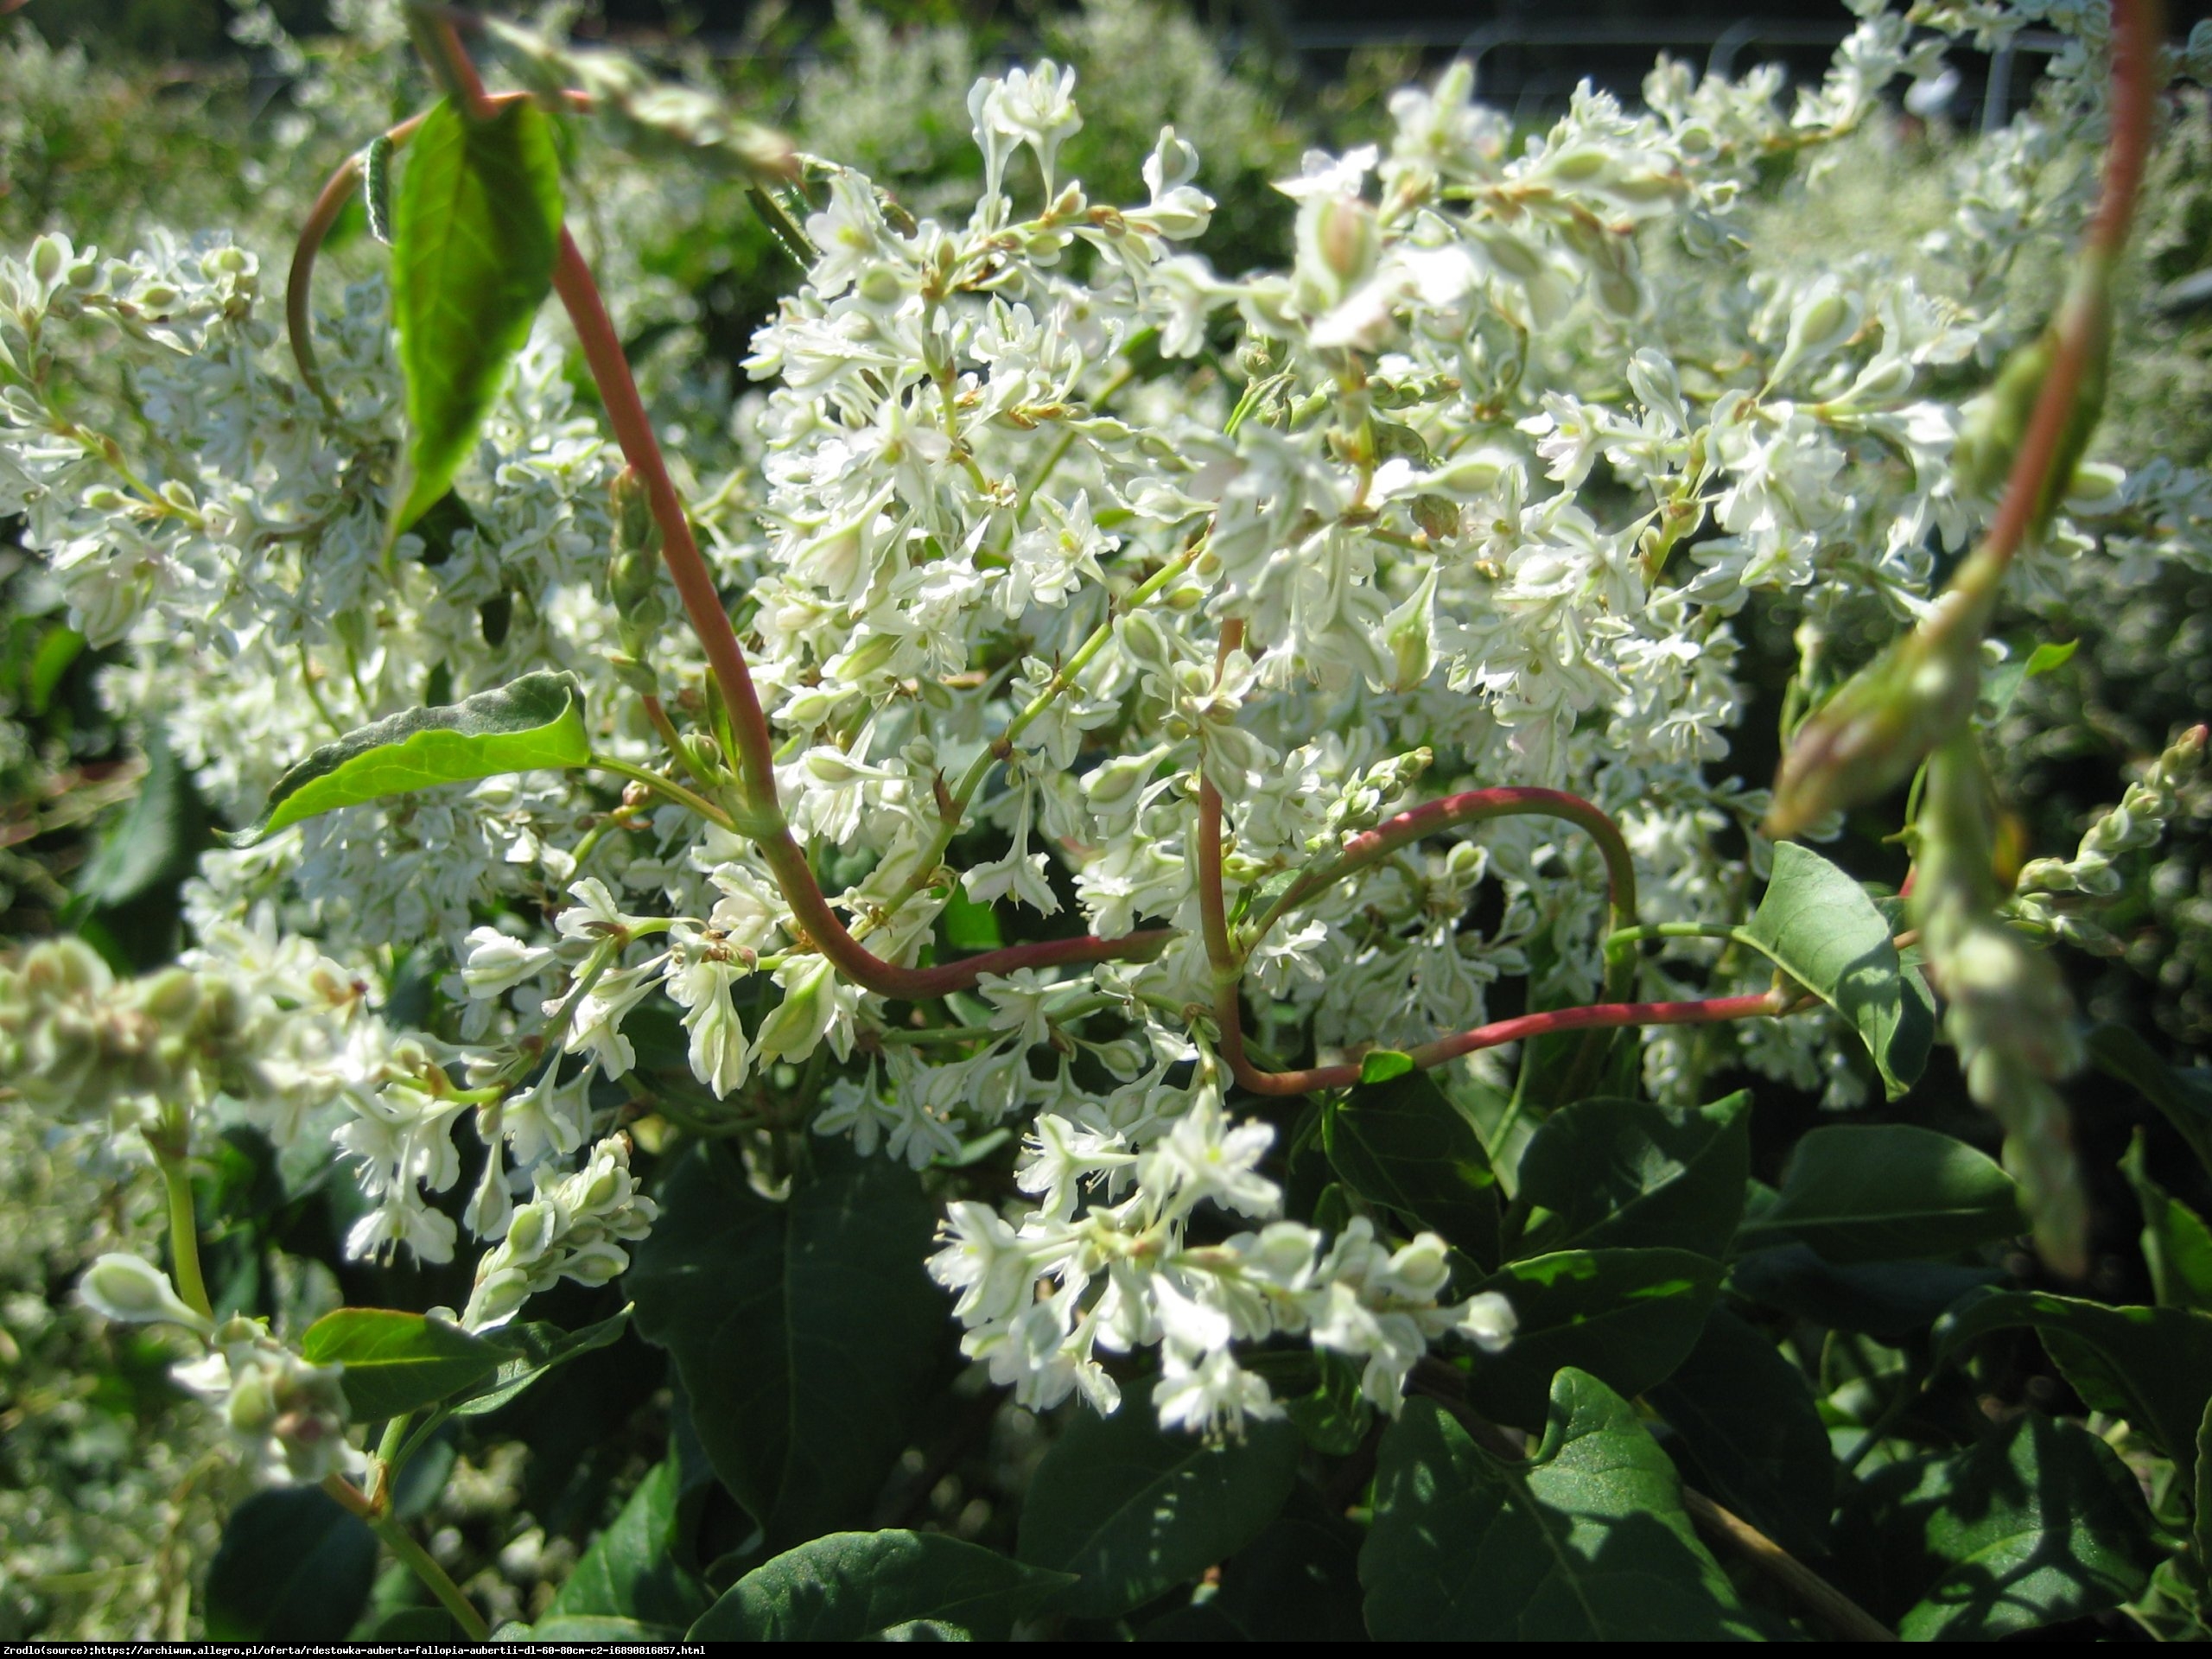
(1298, 1581)
(1821, 928)
(1626, 1317)
(1402, 1144)
(1333, 1415)
(1745, 1417)
(2040, 1523)
(804, 1331)
(1135, 1511)
(474, 232)
(632, 1570)
(1887, 1192)
(397, 1362)
(2184, 1096)
(537, 721)
(855, 1586)
(1626, 1172)
(293, 1567)
(1587, 1541)
(1885, 1300)
(2151, 1365)
(587, 1627)
(534, 1349)
(2177, 1244)
(153, 840)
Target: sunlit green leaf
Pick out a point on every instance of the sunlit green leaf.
(537, 721)
(475, 228)
(1821, 928)
(397, 1362)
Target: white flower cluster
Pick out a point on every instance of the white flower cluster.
(1050, 519)
(286, 1417)
(1124, 1273)
(574, 1228)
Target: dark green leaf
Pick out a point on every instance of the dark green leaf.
(153, 840)
(1586, 1542)
(1885, 1300)
(1627, 1317)
(534, 1349)
(2177, 1244)
(587, 1627)
(474, 232)
(968, 926)
(804, 1332)
(537, 721)
(1625, 1172)
(1135, 1511)
(58, 647)
(1298, 1581)
(293, 1567)
(1887, 1192)
(2184, 1096)
(412, 1627)
(1821, 928)
(854, 1586)
(2201, 1531)
(1745, 1416)
(397, 1362)
(631, 1571)
(2038, 1524)
(1333, 1415)
(1402, 1144)
(2151, 1365)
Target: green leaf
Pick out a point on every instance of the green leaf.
(1887, 1192)
(537, 1348)
(1401, 1143)
(1745, 1416)
(397, 1362)
(1297, 1582)
(2151, 1365)
(1135, 1511)
(1885, 1300)
(2177, 1244)
(1586, 1542)
(1821, 928)
(587, 1627)
(1333, 1415)
(474, 232)
(2201, 1530)
(2001, 685)
(293, 1567)
(2040, 1523)
(58, 647)
(537, 721)
(855, 1586)
(968, 926)
(1625, 1172)
(1381, 1065)
(2184, 1096)
(631, 1570)
(804, 1332)
(1627, 1317)
(154, 839)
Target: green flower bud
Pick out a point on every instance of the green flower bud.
(135, 1292)
(794, 1027)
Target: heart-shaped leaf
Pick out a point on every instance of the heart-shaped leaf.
(1135, 1509)
(1586, 1542)
(805, 1333)
(857, 1587)
(537, 721)
(475, 228)
(631, 1570)
(293, 1567)
(1887, 1192)
(1626, 1172)
(1821, 928)
(397, 1362)
(1627, 1317)
(1400, 1142)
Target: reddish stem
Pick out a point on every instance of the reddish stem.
(1597, 1016)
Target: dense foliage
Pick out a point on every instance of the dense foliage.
(1028, 882)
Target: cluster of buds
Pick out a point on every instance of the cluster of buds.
(76, 1041)
(2061, 895)
(286, 1417)
(573, 1227)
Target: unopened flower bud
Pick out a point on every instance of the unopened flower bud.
(132, 1291)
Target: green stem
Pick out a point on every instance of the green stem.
(1627, 935)
(667, 787)
(184, 1234)
(411, 1555)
